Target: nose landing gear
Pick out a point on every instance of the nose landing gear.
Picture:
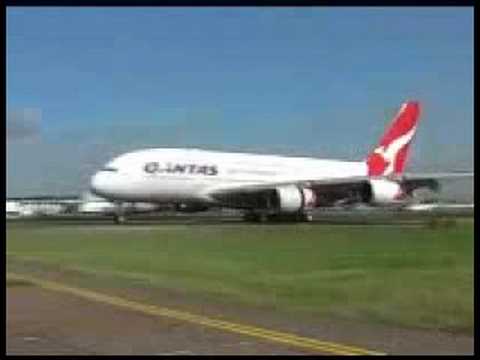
(119, 217)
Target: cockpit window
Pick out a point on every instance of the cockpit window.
(109, 168)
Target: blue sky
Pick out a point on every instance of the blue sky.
(309, 81)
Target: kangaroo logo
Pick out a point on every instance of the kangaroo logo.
(376, 161)
(382, 159)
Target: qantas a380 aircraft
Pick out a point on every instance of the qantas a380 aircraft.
(267, 186)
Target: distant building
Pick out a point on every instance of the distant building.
(87, 203)
(40, 205)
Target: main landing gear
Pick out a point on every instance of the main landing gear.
(258, 217)
(119, 216)
(306, 217)
(255, 217)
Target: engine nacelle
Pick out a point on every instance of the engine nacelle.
(291, 198)
(385, 191)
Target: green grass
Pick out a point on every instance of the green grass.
(409, 276)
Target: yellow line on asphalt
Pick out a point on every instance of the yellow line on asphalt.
(271, 335)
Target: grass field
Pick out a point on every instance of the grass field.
(400, 275)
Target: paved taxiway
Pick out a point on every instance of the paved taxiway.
(55, 318)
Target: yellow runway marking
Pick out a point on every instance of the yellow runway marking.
(262, 333)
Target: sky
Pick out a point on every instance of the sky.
(86, 84)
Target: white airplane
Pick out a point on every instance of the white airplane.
(267, 186)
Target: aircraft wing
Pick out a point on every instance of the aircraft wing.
(439, 176)
(329, 191)
(267, 185)
(253, 195)
(414, 181)
(420, 178)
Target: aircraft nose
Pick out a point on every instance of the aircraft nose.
(98, 185)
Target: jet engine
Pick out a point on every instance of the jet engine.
(385, 191)
(292, 198)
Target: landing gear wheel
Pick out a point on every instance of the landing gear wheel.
(255, 217)
(308, 217)
(120, 219)
(249, 217)
(261, 218)
(305, 217)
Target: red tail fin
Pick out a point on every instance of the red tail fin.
(390, 156)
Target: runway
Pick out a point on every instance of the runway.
(329, 216)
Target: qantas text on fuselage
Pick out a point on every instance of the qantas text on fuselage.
(156, 167)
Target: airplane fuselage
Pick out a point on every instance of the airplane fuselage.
(173, 175)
